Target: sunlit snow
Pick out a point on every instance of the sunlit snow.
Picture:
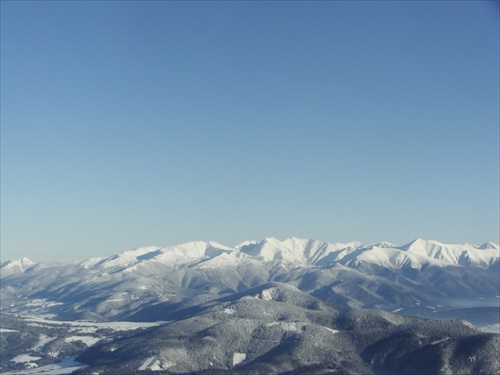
(5, 330)
(21, 358)
(66, 366)
(87, 340)
(44, 340)
(238, 358)
(92, 327)
(492, 328)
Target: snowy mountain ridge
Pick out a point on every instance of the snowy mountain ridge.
(292, 251)
(15, 266)
(304, 252)
(275, 297)
(131, 283)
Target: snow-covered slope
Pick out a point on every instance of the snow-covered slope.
(419, 253)
(173, 256)
(15, 266)
(444, 254)
(382, 275)
(281, 295)
(296, 251)
(273, 328)
(292, 252)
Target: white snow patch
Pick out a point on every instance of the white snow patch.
(468, 324)
(146, 364)
(331, 330)
(266, 295)
(289, 326)
(43, 340)
(219, 261)
(6, 330)
(22, 358)
(92, 327)
(229, 311)
(492, 328)
(66, 366)
(397, 310)
(47, 316)
(441, 341)
(87, 340)
(238, 358)
(42, 302)
(154, 364)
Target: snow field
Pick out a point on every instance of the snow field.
(154, 364)
(238, 358)
(66, 366)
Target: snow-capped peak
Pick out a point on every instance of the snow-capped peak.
(245, 243)
(170, 255)
(488, 245)
(127, 258)
(295, 252)
(386, 245)
(16, 266)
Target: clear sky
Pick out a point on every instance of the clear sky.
(126, 124)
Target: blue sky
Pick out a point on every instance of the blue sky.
(126, 124)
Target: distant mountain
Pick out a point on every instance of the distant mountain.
(293, 251)
(15, 266)
(262, 307)
(382, 275)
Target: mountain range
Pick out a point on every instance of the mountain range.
(289, 294)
